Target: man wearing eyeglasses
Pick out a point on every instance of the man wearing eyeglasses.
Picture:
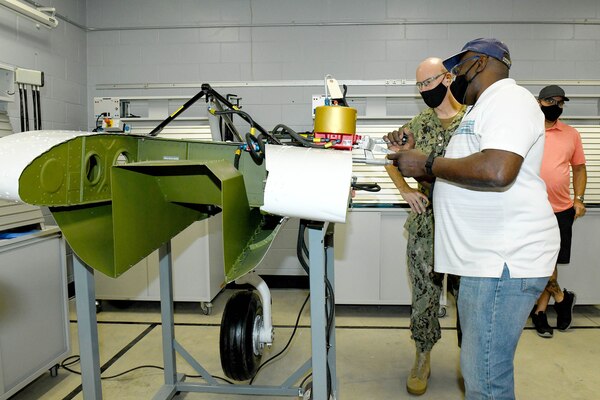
(432, 129)
(563, 151)
(494, 226)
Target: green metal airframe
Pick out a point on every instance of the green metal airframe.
(119, 197)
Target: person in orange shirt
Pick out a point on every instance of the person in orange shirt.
(562, 151)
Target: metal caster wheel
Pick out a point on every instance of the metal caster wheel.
(206, 307)
(307, 392)
(54, 370)
(442, 312)
(240, 347)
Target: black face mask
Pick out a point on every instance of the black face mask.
(435, 96)
(551, 113)
(459, 86)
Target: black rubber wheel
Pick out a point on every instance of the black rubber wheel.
(240, 356)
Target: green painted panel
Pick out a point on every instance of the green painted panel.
(119, 197)
(256, 249)
(76, 172)
(89, 231)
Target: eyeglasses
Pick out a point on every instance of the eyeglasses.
(425, 83)
(455, 70)
(552, 101)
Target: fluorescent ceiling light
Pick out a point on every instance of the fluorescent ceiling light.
(42, 15)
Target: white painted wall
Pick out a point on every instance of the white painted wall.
(255, 40)
(61, 53)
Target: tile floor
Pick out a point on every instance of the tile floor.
(374, 353)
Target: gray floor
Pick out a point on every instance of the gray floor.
(374, 353)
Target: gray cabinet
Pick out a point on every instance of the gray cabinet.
(34, 323)
(198, 273)
(370, 258)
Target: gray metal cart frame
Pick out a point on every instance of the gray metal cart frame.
(320, 245)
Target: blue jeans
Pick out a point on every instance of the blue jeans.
(493, 312)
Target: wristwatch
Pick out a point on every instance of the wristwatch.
(580, 198)
(429, 162)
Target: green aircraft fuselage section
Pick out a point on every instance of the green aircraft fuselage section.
(119, 197)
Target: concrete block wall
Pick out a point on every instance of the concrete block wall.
(144, 41)
(194, 41)
(61, 53)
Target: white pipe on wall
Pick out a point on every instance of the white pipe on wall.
(37, 15)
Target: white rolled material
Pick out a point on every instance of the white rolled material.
(18, 150)
(307, 183)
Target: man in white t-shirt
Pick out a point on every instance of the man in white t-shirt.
(494, 225)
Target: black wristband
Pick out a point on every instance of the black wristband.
(429, 163)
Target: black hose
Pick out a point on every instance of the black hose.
(236, 159)
(295, 135)
(301, 249)
(257, 156)
(245, 116)
(367, 187)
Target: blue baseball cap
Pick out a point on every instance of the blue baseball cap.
(491, 47)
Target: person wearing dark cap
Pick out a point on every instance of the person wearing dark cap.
(563, 152)
(494, 226)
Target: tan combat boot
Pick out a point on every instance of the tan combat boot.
(417, 380)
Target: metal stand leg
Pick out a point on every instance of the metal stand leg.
(85, 301)
(318, 318)
(169, 389)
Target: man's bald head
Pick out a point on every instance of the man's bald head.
(429, 67)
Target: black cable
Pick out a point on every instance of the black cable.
(236, 159)
(307, 377)
(287, 344)
(301, 249)
(295, 135)
(331, 299)
(214, 376)
(245, 116)
(97, 119)
(367, 187)
(74, 359)
(329, 312)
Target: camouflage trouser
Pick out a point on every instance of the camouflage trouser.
(426, 291)
(426, 284)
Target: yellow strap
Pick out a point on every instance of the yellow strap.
(175, 113)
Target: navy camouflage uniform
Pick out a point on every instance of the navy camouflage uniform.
(426, 284)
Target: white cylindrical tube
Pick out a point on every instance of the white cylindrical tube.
(308, 183)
